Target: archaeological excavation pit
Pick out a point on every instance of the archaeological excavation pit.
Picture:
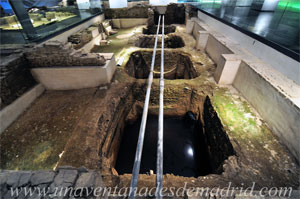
(170, 41)
(195, 144)
(177, 65)
(72, 101)
(151, 30)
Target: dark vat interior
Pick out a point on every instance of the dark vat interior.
(176, 65)
(151, 30)
(170, 41)
(175, 14)
(191, 149)
(183, 154)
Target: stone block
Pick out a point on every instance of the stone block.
(116, 23)
(8, 195)
(65, 178)
(24, 179)
(3, 179)
(189, 26)
(42, 177)
(216, 46)
(103, 36)
(68, 78)
(86, 180)
(94, 31)
(54, 54)
(201, 40)
(227, 68)
(13, 179)
(103, 43)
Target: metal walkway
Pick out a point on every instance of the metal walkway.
(139, 149)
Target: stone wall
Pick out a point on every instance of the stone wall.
(133, 12)
(151, 30)
(170, 41)
(15, 78)
(65, 182)
(79, 39)
(190, 11)
(175, 14)
(54, 54)
(178, 65)
(217, 141)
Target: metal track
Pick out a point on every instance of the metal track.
(159, 161)
(139, 149)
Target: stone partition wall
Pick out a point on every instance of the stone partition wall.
(65, 182)
(57, 66)
(121, 23)
(277, 60)
(15, 78)
(259, 82)
(277, 108)
(54, 54)
(215, 49)
(132, 12)
(81, 38)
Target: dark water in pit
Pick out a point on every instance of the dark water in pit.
(185, 153)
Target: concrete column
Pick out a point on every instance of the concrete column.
(23, 17)
(201, 40)
(189, 26)
(227, 68)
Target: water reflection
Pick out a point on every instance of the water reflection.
(190, 152)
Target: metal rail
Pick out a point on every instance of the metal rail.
(159, 161)
(139, 148)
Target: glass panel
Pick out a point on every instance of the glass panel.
(280, 27)
(51, 16)
(10, 27)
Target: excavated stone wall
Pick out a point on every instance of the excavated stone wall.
(53, 54)
(217, 141)
(175, 14)
(65, 182)
(79, 39)
(15, 78)
(151, 30)
(139, 11)
(171, 41)
(130, 109)
(177, 65)
(215, 145)
(190, 11)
